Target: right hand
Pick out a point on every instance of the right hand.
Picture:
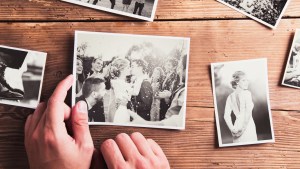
(133, 152)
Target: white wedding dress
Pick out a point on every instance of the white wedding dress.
(241, 105)
(121, 94)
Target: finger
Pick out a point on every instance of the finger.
(67, 112)
(80, 125)
(56, 107)
(127, 147)
(142, 144)
(112, 154)
(62, 88)
(36, 117)
(156, 149)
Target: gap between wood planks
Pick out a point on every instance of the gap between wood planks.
(132, 20)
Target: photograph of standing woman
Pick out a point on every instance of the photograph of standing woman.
(132, 80)
(242, 102)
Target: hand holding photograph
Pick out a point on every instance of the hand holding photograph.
(21, 76)
(241, 98)
(132, 80)
(267, 12)
(140, 9)
(291, 76)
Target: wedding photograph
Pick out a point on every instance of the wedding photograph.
(267, 12)
(132, 80)
(140, 9)
(21, 76)
(241, 99)
(291, 76)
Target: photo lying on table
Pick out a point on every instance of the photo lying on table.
(267, 12)
(140, 9)
(132, 80)
(21, 76)
(241, 98)
(291, 76)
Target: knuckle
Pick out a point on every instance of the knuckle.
(88, 148)
(155, 163)
(52, 101)
(81, 122)
(49, 139)
(120, 166)
(142, 164)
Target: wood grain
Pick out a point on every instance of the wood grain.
(193, 148)
(211, 41)
(51, 10)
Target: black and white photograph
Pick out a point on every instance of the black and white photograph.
(241, 99)
(291, 76)
(267, 12)
(132, 80)
(21, 76)
(140, 9)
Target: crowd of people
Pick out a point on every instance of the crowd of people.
(127, 91)
(138, 5)
(266, 10)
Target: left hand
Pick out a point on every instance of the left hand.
(47, 142)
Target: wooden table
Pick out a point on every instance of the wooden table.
(217, 34)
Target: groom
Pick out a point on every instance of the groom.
(142, 96)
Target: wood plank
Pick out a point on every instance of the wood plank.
(211, 41)
(193, 148)
(18, 10)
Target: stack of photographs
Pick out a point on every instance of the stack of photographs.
(241, 98)
(267, 12)
(21, 76)
(132, 80)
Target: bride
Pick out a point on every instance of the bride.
(121, 91)
(240, 103)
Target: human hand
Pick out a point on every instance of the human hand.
(133, 152)
(47, 142)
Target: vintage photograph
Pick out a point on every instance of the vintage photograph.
(291, 76)
(21, 76)
(140, 9)
(267, 12)
(132, 80)
(241, 97)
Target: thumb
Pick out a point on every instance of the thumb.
(80, 125)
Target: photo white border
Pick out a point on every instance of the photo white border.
(297, 32)
(216, 107)
(41, 82)
(257, 19)
(150, 19)
(133, 35)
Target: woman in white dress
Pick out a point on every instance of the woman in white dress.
(240, 103)
(121, 91)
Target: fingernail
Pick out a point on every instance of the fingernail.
(82, 107)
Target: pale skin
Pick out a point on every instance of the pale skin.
(49, 146)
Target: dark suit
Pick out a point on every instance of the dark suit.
(143, 101)
(96, 113)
